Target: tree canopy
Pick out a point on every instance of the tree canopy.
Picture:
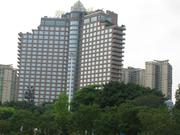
(111, 109)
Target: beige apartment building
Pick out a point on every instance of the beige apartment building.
(158, 75)
(133, 75)
(8, 87)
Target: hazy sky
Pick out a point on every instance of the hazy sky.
(153, 27)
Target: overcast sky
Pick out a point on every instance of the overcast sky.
(153, 27)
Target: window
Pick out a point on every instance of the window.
(50, 22)
(60, 23)
(51, 28)
(74, 23)
(74, 36)
(74, 32)
(73, 41)
(62, 28)
(57, 28)
(86, 20)
(93, 19)
(74, 28)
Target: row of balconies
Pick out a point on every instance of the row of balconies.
(118, 49)
(115, 66)
(118, 37)
(20, 34)
(116, 60)
(117, 41)
(118, 32)
(116, 54)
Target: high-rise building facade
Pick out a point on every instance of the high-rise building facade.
(43, 58)
(8, 86)
(158, 75)
(63, 54)
(133, 75)
(101, 49)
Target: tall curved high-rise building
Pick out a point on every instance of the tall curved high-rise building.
(63, 54)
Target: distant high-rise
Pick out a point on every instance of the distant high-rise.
(63, 54)
(133, 75)
(8, 86)
(158, 75)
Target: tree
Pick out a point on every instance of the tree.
(149, 100)
(62, 115)
(6, 114)
(177, 96)
(46, 121)
(156, 121)
(84, 119)
(24, 121)
(129, 117)
(5, 127)
(116, 93)
(109, 122)
(21, 105)
(176, 118)
(86, 96)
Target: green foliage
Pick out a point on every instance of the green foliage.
(149, 100)
(157, 121)
(6, 113)
(85, 117)
(129, 118)
(20, 105)
(110, 109)
(62, 115)
(25, 119)
(177, 105)
(86, 96)
(5, 126)
(115, 93)
(177, 95)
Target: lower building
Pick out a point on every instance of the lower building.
(8, 81)
(133, 75)
(158, 75)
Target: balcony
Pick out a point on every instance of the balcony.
(20, 39)
(118, 32)
(117, 47)
(123, 27)
(116, 67)
(116, 60)
(117, 41)
(20, 34)
(115, 36)
(117, 54)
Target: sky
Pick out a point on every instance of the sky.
(153, 27)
